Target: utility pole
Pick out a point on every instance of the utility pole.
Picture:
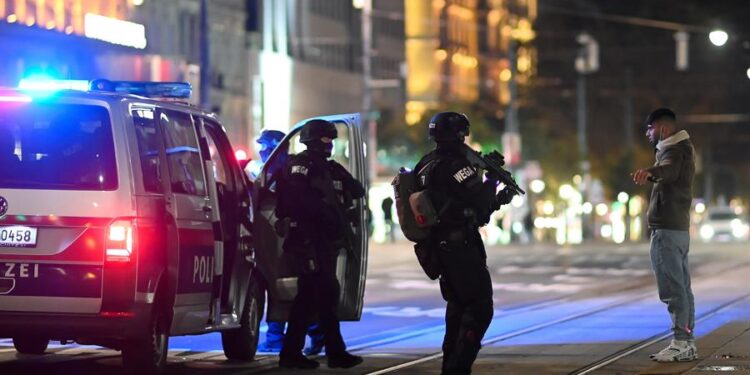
(587, 62)
(371, 128)
(512, 125)
(629, 142)
(205, 78)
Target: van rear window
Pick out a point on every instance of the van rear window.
(56, 147)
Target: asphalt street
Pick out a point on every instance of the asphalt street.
(557, 310)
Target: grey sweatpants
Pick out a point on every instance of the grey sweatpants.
(669, 259)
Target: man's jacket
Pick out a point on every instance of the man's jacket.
(672, 194)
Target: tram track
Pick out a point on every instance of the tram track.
(620, 354)
(571, 317)
(402, 334)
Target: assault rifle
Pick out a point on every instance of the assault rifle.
(493, 163)
(329, 197)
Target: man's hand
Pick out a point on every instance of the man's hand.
(505, 196)
(641, 176)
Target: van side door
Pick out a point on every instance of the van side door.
(191, 257)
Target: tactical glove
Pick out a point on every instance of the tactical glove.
(505, 196)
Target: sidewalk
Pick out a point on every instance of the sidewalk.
(726, 351)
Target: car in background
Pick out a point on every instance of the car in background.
(724, 224)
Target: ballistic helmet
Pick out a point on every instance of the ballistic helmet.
(270, 137)
(316, 129)
(449, 127)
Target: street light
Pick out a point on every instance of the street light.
(748, 73)
(623, 197)
(537, 186)
(718, 37)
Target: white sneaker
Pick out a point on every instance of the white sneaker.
(677, 351)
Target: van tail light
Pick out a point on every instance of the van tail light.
(120, 241)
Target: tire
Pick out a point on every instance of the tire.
(240, 344)
(30, 345)
(149, 355)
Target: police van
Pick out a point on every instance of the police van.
(124, 219)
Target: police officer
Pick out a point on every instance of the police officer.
(269, 139)
(465, 200)
(313, 194)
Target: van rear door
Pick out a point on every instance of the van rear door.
(59, 194)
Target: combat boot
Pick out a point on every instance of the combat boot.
(343, 360)
(299, 362)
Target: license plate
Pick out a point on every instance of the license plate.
(17, 236)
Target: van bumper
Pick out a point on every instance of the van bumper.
(77, 327)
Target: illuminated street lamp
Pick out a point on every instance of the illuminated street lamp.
(566, 191)
(623, 197)
(718, 37)
(537, 186)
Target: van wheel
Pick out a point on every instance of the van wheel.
(241, 343)
(30, 345)
(149, 355)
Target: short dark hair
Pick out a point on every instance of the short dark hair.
(660, 114)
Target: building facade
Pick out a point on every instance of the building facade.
(149, 40)
(272, 63)
(469, 51)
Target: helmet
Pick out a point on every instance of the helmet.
(270, 137)
(316, 129)
(268, 141)
(449, 127)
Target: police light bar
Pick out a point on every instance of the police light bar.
(32, 84)
(176, 90)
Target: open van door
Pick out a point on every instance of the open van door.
(351, 266)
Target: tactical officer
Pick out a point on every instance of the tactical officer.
(465, 201)
(268, 140)
(314, 194)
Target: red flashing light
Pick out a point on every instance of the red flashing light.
(240, 155)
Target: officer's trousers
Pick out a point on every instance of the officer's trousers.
(465, 326)
(316, 293)
(467, 287)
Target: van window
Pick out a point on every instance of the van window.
(54, 146)
(183, 155)
(148, 148)
(219, 158)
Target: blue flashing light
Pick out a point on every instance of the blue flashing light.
(51, 85)
(41, 85)
(176, 90)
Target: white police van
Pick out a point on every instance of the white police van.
(124, 219)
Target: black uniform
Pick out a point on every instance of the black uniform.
(466, 202)
(315, 194)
